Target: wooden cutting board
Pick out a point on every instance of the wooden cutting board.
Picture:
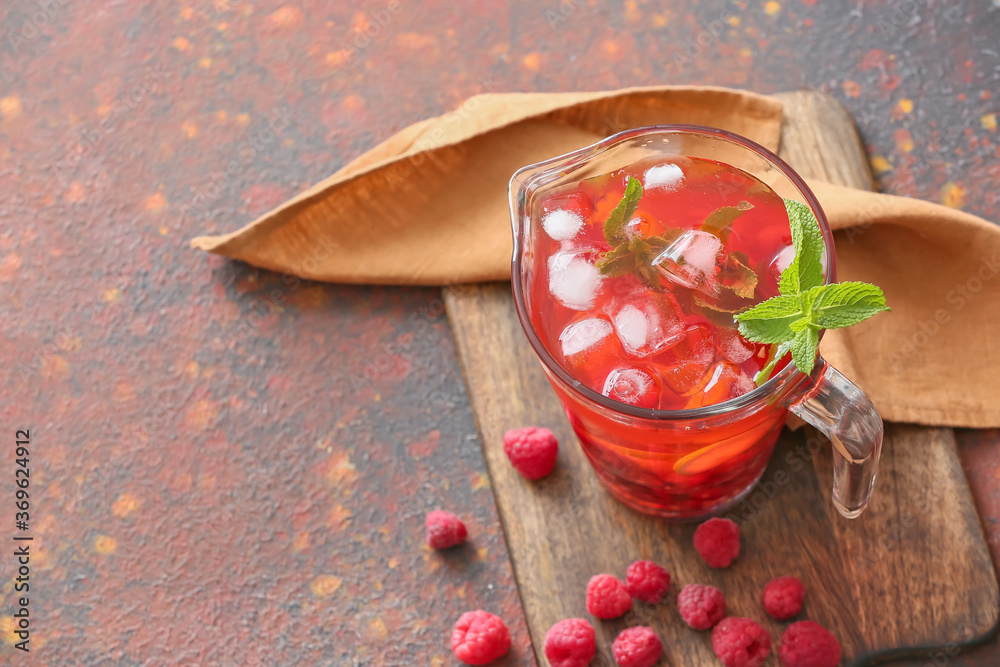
(912, 573)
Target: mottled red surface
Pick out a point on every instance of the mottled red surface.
(230, 467)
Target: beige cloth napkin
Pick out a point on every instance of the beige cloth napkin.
(429, 206)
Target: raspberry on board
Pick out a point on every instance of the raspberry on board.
(479, 638)
(647, 581)
(809, 644)
(718, 541)
(607, 597)
(444, 529)
(637, 647)
(739, 642)
(532, 450)
(570, 643)
(783, 597)
(701, 606)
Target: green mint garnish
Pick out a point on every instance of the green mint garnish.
(719, 221)
(793, 320)
(636, 254)
(614, 226)
(806, 270)
(737, 275)
(632, 254)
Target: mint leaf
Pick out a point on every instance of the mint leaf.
(801, 324)
(621, 215)
(616, 262)
(716, 312)
(777, 307)
(776, 355)
(806, 306)
(719, 220)
(737, 275)
(662, 241)
(642, 257)
(766, 331)
(804, 346)
(806, 270)
(844, 304)
(770, 321)
(631, 253)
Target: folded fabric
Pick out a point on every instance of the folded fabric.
(429, 206)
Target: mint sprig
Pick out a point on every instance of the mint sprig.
(630, 253)
(614, 226)
(719, 221)
(806, 305)
(633, 254)
(806, 270)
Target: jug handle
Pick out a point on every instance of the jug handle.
(842, 412)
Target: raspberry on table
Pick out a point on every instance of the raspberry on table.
(701, 606)
(479, 638)
(607, 597)
(783, 597)
(532, 450)
(809, 644)
(739, 642)
(570, 643)
(444, 529)
(718, 541)
(647, 581)
(637, 647)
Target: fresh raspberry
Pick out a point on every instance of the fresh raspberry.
(647, 581)
(809, 644)
(783, 597)
(532, 450)
(739, 642)
(718, 541)
(637, 647)
(607, 597)
(701, 606)
(570, 643)
(479, 638)
(444, 529)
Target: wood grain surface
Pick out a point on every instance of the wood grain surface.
(913, 572)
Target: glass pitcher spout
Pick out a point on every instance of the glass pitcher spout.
(842, 412)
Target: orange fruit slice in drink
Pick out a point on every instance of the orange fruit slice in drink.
(714, 455)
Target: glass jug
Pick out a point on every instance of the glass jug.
(690, 463)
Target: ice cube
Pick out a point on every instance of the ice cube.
(573, 280)
(734, 347)
(584, 335)
(691, 260)
(633, 386)
(648, 323)
(664, 177)
(574, 202)
(590, 349)
(724, 382)
(633, 327)
(687, 361)
(562, 224)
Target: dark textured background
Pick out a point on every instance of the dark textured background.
(231, 467)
